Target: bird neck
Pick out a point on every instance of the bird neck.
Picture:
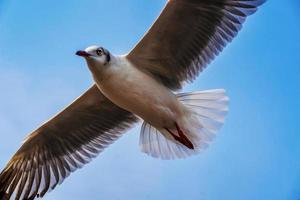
(102, 71)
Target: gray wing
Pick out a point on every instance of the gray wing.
(187, 36)
(62, 145)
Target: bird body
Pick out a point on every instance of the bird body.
(166, 117)
(131, 89)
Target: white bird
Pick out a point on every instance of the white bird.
(140, 85)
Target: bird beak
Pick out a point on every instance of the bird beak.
(83, 54)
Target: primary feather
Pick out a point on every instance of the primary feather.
(187, 36)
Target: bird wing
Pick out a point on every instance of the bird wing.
(187, 36)
(63, 144)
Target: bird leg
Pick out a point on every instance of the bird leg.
(181, 138)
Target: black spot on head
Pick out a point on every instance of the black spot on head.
(108, 57)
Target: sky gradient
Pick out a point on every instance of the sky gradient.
(256, 154)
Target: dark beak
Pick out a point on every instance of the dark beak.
(82, 53)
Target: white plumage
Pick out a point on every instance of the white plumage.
(207, 110)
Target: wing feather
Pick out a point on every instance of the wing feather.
(187, 36)
(62, 145)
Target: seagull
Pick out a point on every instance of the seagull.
(139, 86)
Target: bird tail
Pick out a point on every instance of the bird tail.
(204, 116)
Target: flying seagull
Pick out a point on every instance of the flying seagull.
(141, 85)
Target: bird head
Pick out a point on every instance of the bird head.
(95, 54)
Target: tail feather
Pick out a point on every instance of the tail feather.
(205, 116)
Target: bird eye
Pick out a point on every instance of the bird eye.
(99, 52)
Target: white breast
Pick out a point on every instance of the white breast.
(137, 92)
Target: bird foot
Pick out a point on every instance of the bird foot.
(181, 138)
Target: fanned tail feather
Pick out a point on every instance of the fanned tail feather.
(205, 116)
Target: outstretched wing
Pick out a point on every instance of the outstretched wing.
(62, 145)
(187, 36)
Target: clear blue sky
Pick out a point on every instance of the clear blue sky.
(254, 157)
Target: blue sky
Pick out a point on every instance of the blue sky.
(256, 154)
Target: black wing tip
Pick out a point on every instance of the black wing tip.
(3, 195)
(260, 2)
(255, 3)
